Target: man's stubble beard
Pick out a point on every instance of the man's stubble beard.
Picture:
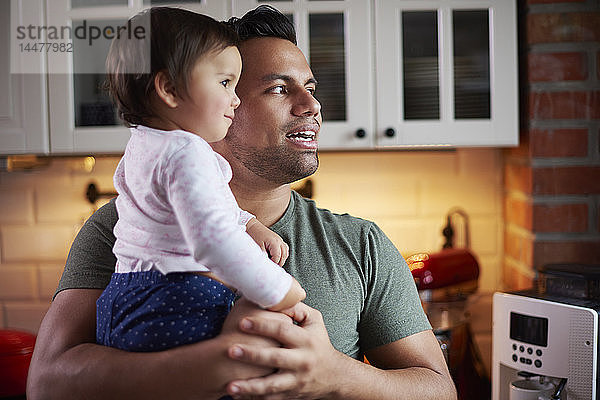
(279, 165)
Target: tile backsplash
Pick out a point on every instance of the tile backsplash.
(406, 193)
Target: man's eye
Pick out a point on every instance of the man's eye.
(278, 89)
(311, 90)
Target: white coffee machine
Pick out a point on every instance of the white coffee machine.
(548, 337)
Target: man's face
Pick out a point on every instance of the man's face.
(275, 129)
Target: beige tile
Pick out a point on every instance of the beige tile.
(412, 236)
(481, 162)
(490, 268)
(39, 243)
(473, 195)
(16, 206)
(18, 282)
(26, 316)
(485, 234)
(49, 277)
(66, 205)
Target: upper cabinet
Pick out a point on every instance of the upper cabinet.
(337, 39)
(446, 72)
(410, 73)
(390, 72)
(23, 115)
(82, 117)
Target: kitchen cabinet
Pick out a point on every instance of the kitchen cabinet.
(82, 118)
(23, 116)
(410, 72)
(392, 73)
(446, 72)
(336, 37)
(58, 106)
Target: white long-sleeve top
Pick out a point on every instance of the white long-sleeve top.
(178, 214)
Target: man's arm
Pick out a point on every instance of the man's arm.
(309, 366)
(68, 364)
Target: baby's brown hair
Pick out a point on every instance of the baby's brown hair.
(177, 39)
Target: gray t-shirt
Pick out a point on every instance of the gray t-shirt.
(350, 270)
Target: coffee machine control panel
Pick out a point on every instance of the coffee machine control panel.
(529, 337)
(544, 338)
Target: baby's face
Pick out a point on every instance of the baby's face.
(208, 109)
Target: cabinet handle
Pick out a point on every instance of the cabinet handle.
(390, 132)
(361, 133)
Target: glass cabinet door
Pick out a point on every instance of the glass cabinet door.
(23, 113)
(335, 36)
(446, 72)
(82, 115)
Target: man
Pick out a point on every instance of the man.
(352, 274)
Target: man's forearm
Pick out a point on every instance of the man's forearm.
(360, 381)
(68, 364)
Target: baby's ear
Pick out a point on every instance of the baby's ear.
(165, 89)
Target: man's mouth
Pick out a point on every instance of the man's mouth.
(304, 136)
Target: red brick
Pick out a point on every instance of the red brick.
(566, 180)
(564, 105)
(563, 27)
(514, 279)
(566, 218)
(522, 150)
(559, 143)
(518, 178)
(598, 64)
(567, 251)
(554, 67)
(519, 246)
(598, 222)
(519, 212)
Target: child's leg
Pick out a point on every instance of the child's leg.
(148, 311)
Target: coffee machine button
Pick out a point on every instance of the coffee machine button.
(528, 361)
(538, 363)
(521, 349)
(529, 350)
(522, 360)
(514, 347)
(538, 352)
(515, 358)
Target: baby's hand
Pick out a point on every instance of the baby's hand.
(269, 241)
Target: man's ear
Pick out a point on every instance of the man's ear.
(165, 90)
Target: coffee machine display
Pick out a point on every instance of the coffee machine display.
(545, 340)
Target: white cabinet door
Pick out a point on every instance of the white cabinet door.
(446, 72)
(82, 117)
(23, 114)
(336, 38)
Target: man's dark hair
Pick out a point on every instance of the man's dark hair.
(178, 38)
(263, 21)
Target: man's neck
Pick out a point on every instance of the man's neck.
(267, 204)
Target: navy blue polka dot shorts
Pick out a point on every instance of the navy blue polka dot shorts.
(149, 311)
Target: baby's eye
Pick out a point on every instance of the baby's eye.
(225, 82)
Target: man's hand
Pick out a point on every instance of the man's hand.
(305, 364)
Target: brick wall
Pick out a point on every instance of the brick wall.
(552, 180)
(407, 194)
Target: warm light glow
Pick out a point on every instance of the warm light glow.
(415, 261)
(89, 163)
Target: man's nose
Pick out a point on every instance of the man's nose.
(306, 105)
